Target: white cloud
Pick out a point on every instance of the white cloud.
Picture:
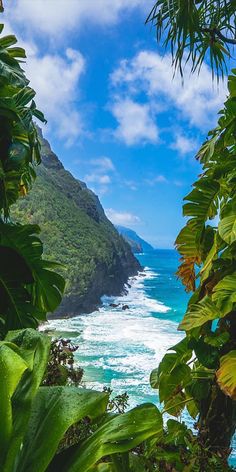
(183, 144)
(122, 218)
(98, 179)
(131, 184)
(148, 73)
(135, 122)
(102, 171)
(158, 179)
(58, 17)
(103, 164)
(55, 79)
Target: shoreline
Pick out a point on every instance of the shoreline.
(93, 307)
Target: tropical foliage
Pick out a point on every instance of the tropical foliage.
(35, 418)
(28, 286)
(196, 30)
(199, 373)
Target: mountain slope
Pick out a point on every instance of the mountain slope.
(136, 243)
(75, 231)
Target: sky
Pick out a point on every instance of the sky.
(116, 117)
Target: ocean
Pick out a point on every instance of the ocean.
(118, 348)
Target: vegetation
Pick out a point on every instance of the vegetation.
(199, 373)
(75, 231)
(34, 419)
(35, 415)
(196, 30)
(28, 286)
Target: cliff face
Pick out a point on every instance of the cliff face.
(95, 259)
(136, 243)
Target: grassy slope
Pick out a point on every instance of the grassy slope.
(76, 233)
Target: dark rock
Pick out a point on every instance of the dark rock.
(125, 307)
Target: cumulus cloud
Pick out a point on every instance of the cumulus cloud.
(122, 218)
(58, 17)
(150, 75)
(135, 122)
(56, 79)
(183, 144)
(158, 179)
(131, 184)
(103, 164)
(102, 171)
(98, 179)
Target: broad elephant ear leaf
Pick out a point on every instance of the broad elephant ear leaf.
(23, 358)
(117, 435)
(53, 411)
(226, 375)
(12, 367)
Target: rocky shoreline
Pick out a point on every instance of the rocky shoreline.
(103, 284)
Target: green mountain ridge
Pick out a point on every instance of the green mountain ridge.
(95, 259)
(137, 244)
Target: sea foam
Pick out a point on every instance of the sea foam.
(118, 347)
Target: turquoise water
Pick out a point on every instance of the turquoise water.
(119, 348)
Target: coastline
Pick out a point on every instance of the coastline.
(73, 306)
(119, 347)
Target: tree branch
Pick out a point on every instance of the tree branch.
(216, 32)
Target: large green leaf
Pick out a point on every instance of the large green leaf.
(48, 288)
(12, 367)
(34, 288)
(117, 435)
(34, 350)
(186, 242)
(199, 313)
(226, 375)
(17, 110)
(207, 355)
(16, 308)
(172, 383)
(23, 352)
(227, 229)
(53, 411)
(202, 200)
(182, 353)
(224, 294)
(212, 254)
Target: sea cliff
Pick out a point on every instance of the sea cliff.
(95, 260)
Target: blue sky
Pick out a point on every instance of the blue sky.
(116, 117)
